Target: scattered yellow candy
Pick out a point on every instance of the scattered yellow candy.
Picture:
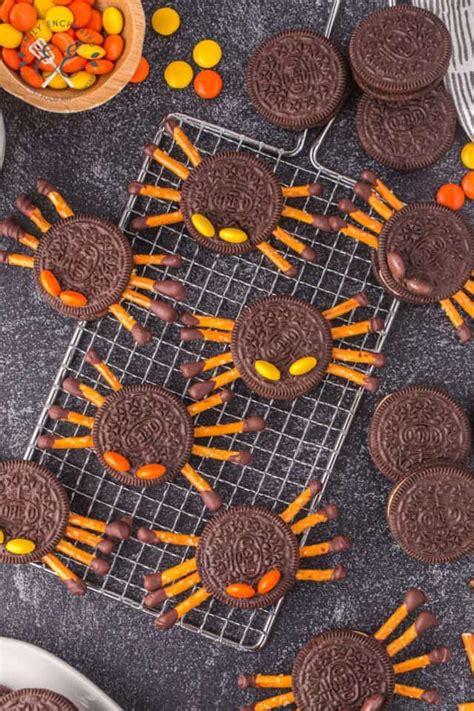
(20, 546)
(41, 30)
(90, 51)
(42, 7)
(207, 53)
(178, 75)
(467, 155)
(165, 21)
(2, 536)
(57, 82)
(203, 225)
(112, 21)
(303, 365)
(267, 370)
(83, 80)
(9, 36)
(233, 234)
(59, 19)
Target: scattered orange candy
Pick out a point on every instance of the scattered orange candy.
(450, 195)
(11, 58)
(117, 461)
(23, 16)
(268, 581)
(113, 46)
(468, 185)
(31, 77)
(208, 84)
(82, 13)
(141, 72)
(50, 283)
(73, 298)
(240, 590)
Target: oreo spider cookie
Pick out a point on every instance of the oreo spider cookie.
(281, 330)
(399, 53)
(87, 255)
(425, 253)
(146, 424)
(239, 547)
(418, 426)
(409, 135)
(35, 700)
(431, 514)
(297, 79)
(341, 669)
(34, 509)
(232, 190)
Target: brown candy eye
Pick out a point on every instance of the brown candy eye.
(268, 581)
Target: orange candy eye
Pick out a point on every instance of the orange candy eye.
(151, 471)
(49, 283)
(241, 591)
(268, 581)
(116, 461)
(73, 298)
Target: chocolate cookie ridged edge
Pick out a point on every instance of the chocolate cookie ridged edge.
(388, 470)
(131, 479)
(59, 490)
(444, 472)
(214, 244)
(90, 312)
(260, 601)
(295, 124)
(46, 695)
(382, 87)
(319, 372)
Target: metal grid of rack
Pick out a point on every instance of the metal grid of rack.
(303, 438)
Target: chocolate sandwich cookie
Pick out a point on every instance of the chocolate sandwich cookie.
(239, 547)
(232, 190)
(341, 669)
(35, 700)
(33, 508)
(425, 253)
(297, 79)
(145, 424)
(431, 513)
(409, 135)
(281, 330)
(418, 426)
(87, 255)
(399, 53)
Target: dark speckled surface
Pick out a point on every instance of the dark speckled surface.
(92, 156)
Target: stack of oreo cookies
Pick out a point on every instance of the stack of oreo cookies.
(420, 438)
(399, 55)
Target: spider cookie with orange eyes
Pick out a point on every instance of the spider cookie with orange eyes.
(247, 557)
(84, 266)
(281, 347)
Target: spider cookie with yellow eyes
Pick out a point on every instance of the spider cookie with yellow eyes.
(281, 347)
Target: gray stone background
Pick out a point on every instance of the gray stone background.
(91, 157)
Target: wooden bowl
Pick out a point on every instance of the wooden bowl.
(106, 86)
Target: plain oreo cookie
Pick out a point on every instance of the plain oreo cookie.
(33, 505)
(146, 424)
(431, 514)
(35, 700)
(280, 330)
(241, 545)
(232, 189)
(399, 53)
(297, 79)
(418, 426)
(434, 250)
(409, 135)
(89, 255)
(341, 669)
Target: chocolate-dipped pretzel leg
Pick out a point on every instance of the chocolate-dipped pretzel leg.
(224, 224)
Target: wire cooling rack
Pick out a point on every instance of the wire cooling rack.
(303, 438)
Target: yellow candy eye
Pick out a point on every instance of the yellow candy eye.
(203, 225)
(233, 235)
(20, 546)
(267, 370)
(303, 365)
(2, 537)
